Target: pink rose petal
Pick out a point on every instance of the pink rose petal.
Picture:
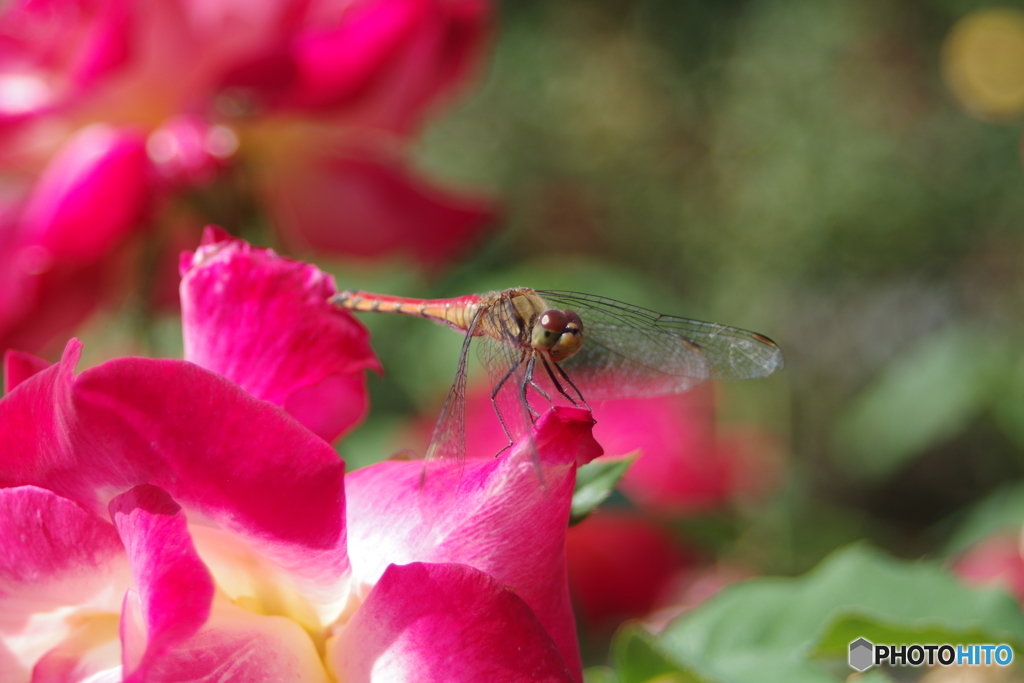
(335, 64)
(621, 565)
(263, 321)
(61, 568)
(366, 204)
(52, 551)
(500, 502)
(680, 467)
(90, 196)
(431, 65)
(46, 304)
(52, 51)
(235, 461)
(174, 586)
(235, 645)
(445, 622)
(19, 366)
(90, 649)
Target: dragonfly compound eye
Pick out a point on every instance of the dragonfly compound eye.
(570, 340)
(548, 329)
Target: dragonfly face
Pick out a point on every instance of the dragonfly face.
(559, 334)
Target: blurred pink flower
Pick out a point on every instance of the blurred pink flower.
(685, 464)
(621, 565)
(996, 560)
(162, 522)
(56, 239)
(110, 107)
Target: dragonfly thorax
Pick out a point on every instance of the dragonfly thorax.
(559, 334)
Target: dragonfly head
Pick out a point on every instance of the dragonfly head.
(558, 333)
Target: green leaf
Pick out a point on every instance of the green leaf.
(637, 660)
(1002, 510)
(594, 483)
(797, 630)
(1008, 409)
(599, 674)
(924, 397)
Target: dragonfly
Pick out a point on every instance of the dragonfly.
(561, 347)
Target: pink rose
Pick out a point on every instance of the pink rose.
(622, 565)
(173, 520)
(127, 106)
(685, 462)
(57, 241)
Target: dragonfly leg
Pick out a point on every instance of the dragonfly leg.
(558, 385)
(497, 411)
(527, 381)
(570, 383)
(538, 388)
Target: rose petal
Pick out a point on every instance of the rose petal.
(175, 588)
(54, 50)
(89, 650)
(235, 645)
(235, 461)
(363, 203)
(34, 424)
(498, 503)
(335, 64)
(19, 366)
(45, 305)
(53, 551)
(61, 567)
(431, 64)
(444, 622)
(681, 467)
(90, 196)
(331, 407)
(264, 322)
(620, 565)
(106, 43)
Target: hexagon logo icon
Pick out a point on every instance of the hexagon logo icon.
(861, 654)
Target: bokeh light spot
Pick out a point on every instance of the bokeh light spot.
(983, 63)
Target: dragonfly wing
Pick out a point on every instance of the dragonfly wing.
(446, 454)
(630, 351)
(504, 360)
(508, 364)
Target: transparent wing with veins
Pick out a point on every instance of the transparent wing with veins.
(629, 351)
(446, 454)
(520, 390)
(518, 393)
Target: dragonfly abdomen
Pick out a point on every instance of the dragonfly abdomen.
(456, 313)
